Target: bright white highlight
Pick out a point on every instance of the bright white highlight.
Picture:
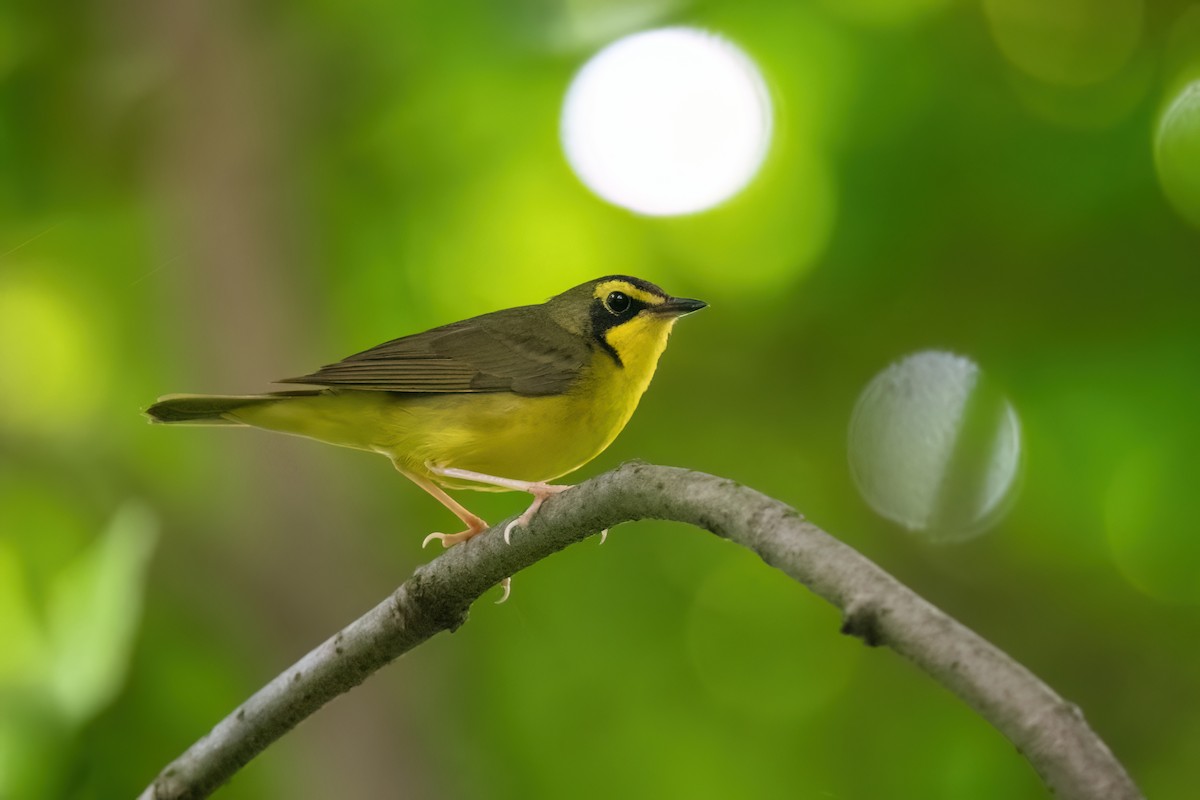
(665, 122)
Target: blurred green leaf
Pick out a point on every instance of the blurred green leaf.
(94, 610)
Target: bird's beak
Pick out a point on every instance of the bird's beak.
(678, 306)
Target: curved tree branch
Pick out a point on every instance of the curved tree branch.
(1050, 732)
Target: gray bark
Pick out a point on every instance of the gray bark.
(1050, 732)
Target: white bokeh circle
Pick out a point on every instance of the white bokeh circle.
(666, 122)
(934, 447)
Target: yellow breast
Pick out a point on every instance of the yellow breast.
(532, 438)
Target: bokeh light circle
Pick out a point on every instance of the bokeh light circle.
(1149, 512)
(1072, 43)
(934, 447)
(665, 122)
(1177, 152)
(54, 387)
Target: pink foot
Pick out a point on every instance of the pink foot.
(451, 539)
(447, 539)
(541, 493)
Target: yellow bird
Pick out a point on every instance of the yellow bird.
(505, 401)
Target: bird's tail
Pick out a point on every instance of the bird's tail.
(210, 409)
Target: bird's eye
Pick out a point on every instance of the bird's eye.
(618, 302)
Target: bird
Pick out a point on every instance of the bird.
(505, 401)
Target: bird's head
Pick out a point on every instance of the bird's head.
(628, 317)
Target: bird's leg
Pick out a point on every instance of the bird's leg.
(540, 490)
(475, 525)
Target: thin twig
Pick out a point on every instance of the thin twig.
(1050, 732)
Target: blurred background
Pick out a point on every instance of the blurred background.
(953, 272)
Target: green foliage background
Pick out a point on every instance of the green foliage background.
(205, 196)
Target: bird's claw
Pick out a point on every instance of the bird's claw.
(541, 493)
(603, 535)
(506, 585)
(448, 539)
(523, 520)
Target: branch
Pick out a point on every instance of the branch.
(1050, 732)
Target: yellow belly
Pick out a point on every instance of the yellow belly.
(501, 434)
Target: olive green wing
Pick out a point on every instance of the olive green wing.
(519, 350)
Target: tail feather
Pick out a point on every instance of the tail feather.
(208, 409)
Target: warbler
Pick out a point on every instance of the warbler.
(506, 401)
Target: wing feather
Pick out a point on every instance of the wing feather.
(522, 350)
